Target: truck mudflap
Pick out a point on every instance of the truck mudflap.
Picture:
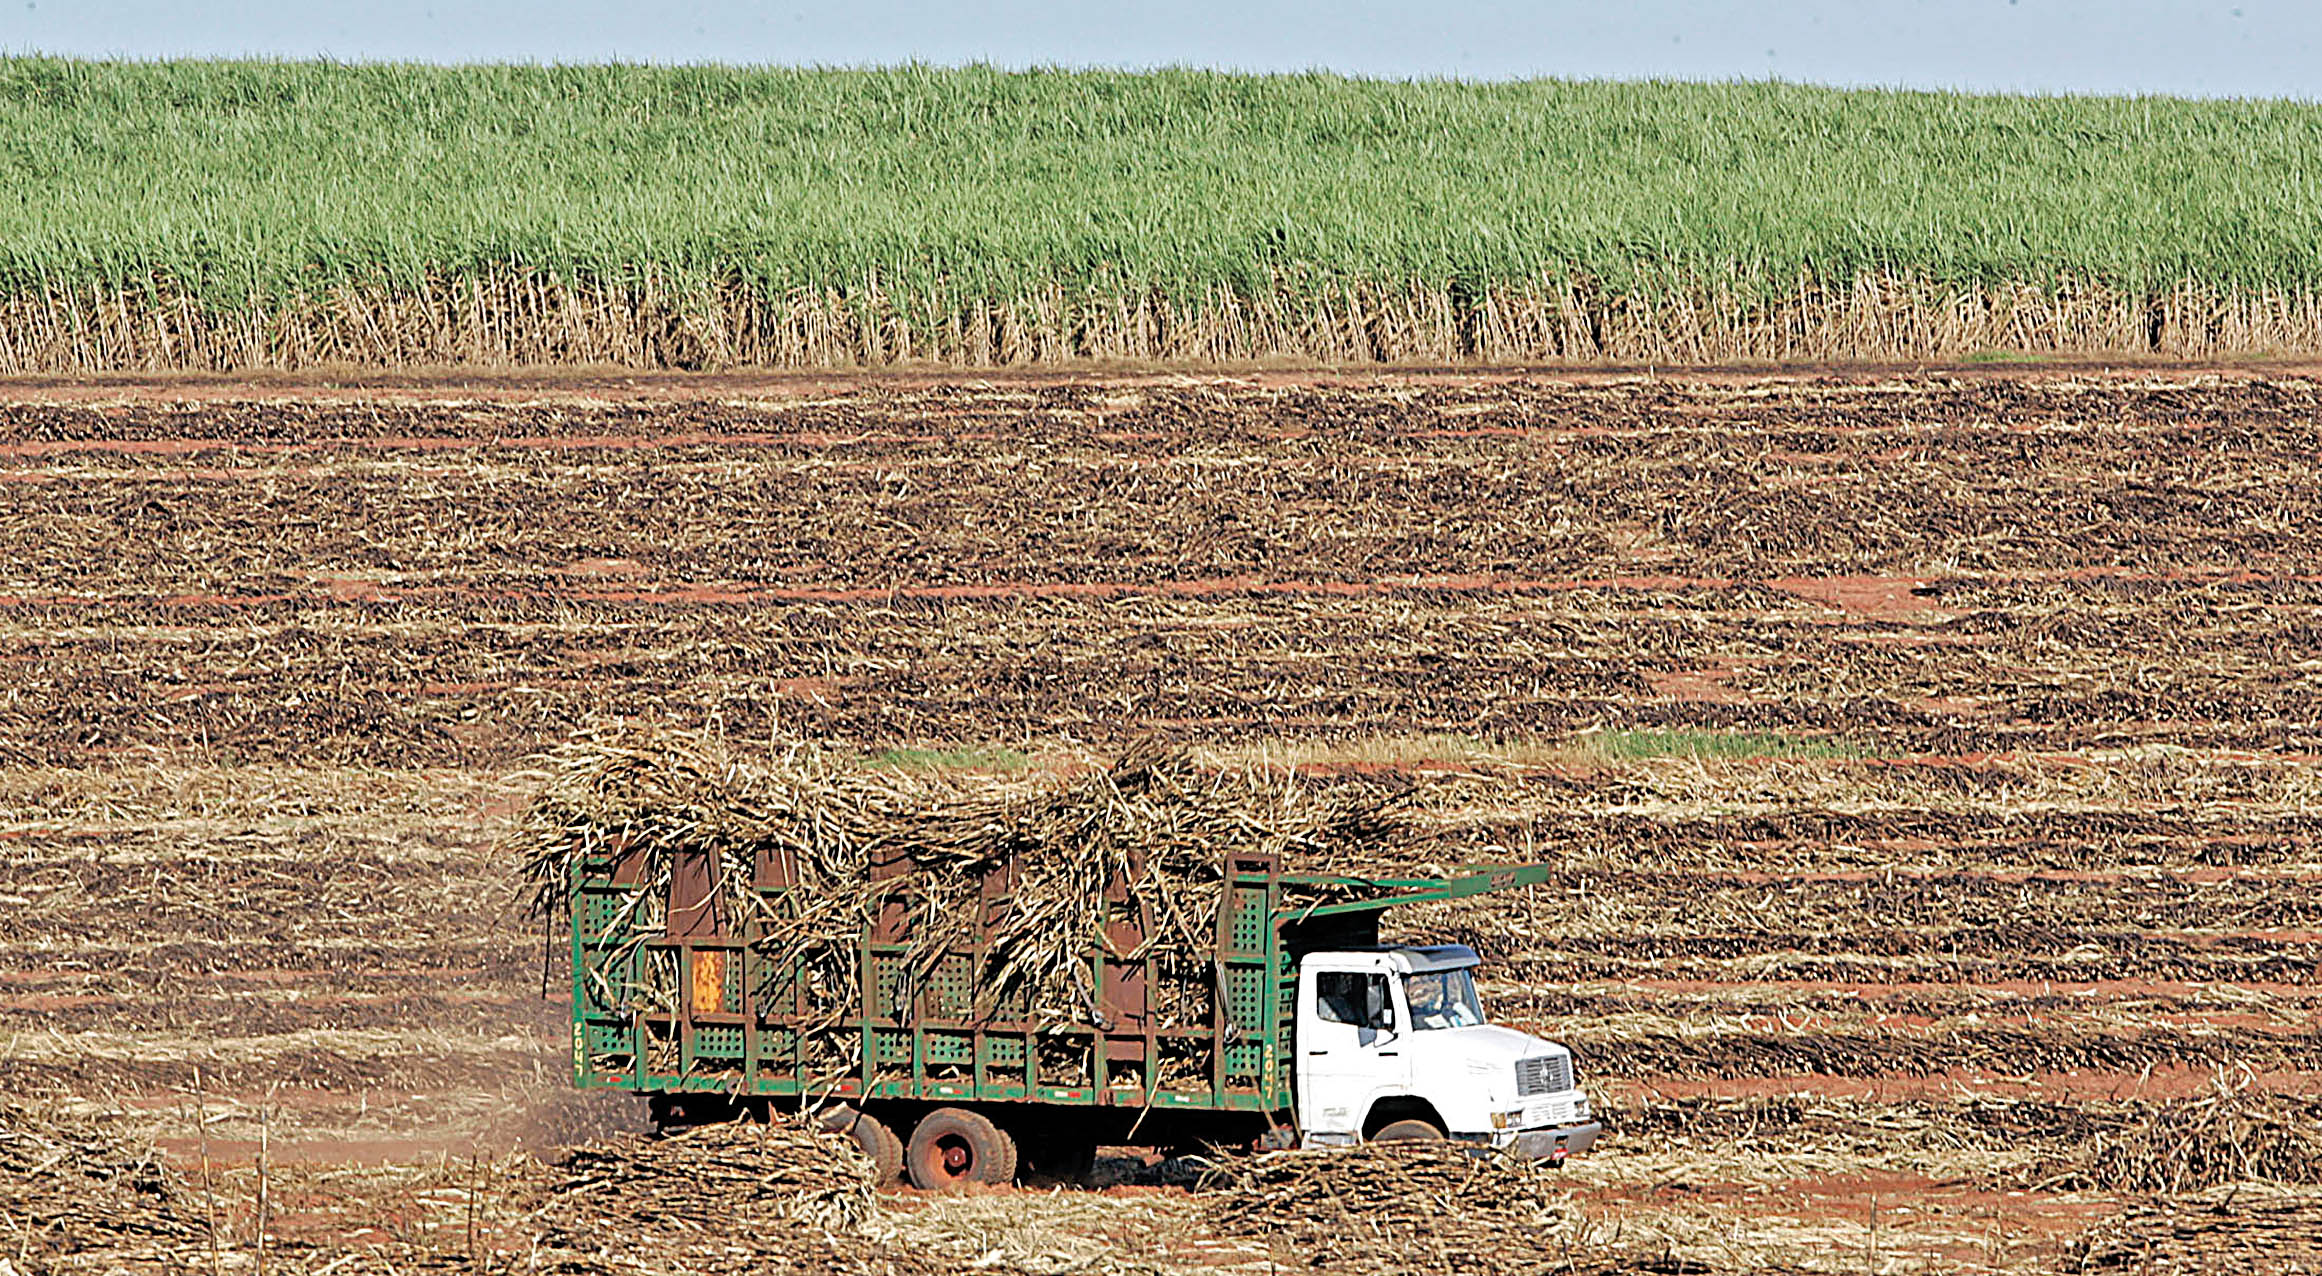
(1555, 1142)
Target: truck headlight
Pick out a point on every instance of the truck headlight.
(1503, 1120)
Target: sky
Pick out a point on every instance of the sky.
(2208, 48)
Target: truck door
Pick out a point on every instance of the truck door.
(1350, 1046)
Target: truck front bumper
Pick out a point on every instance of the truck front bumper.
(1555, 1142)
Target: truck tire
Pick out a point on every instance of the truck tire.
(879, 1144)
(1408, 1131)
(890, 1158)
(953, 1147)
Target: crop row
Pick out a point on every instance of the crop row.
(683, 216)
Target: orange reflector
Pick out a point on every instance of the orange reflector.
(709, 983)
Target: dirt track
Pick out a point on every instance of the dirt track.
(271, 663)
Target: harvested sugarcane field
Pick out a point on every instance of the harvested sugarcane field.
(1922, 771)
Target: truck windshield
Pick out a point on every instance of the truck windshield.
(1443, 999)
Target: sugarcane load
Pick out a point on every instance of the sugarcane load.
(978, 980)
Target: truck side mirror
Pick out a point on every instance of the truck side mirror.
(1379, 1008)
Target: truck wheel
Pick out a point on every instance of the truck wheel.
(1411, 1131)
(890, 1158)
(879, 1144)
(952, 1147)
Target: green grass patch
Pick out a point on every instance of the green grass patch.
(945, 185)
(1686, 742)
(977, 757)
(2005, 356)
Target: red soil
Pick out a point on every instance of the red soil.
(1705, 685)
(2098, 990)
(1864, 595)
(618, 385)
(1882, 596)
(2160, 1083)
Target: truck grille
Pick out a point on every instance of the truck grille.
(1544, 1075)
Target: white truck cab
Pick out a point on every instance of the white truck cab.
(1392, 1043)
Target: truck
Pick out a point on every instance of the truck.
(1289, 1024)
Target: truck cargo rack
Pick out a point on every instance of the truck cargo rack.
(666, 1001)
